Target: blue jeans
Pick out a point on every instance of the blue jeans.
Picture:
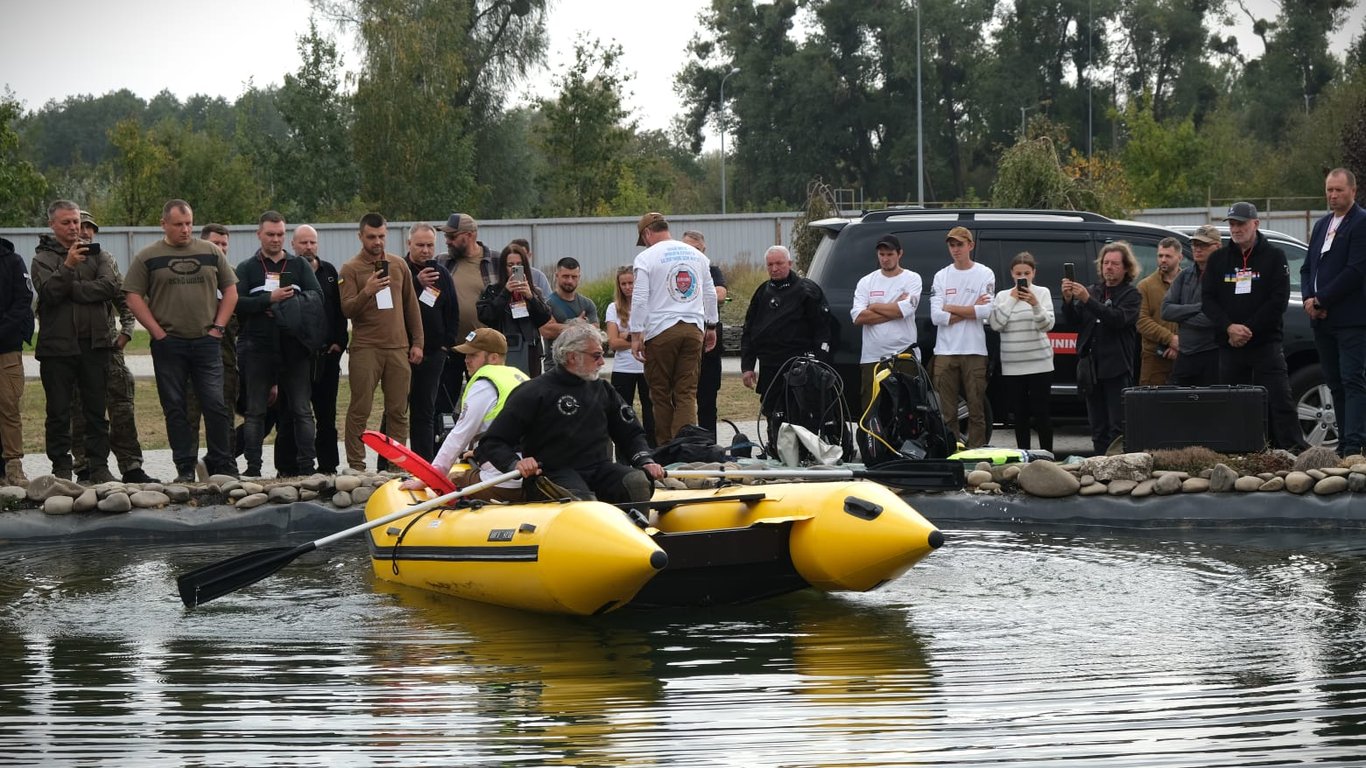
(1342, 353)
(198, 362)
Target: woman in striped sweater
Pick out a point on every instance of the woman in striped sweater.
(1023, 315)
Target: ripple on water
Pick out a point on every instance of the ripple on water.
(1005, 647)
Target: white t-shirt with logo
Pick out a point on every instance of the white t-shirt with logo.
(961, 286)
(673, 284)
(881, 340)
(622, 360)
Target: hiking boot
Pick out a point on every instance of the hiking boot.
(14, 473)
(253, 470)
(184, 474)
(95, 477)
(137, 475)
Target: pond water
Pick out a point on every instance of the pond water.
(1006, 647)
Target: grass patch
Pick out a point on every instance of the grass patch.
(733, 402)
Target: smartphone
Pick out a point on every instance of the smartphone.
(92, 249)
(1022, 284)
(382, 267)
(284, 279)
(516, 273)
(1069, 271)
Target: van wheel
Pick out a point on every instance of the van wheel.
(963, 419)
(1314, 406)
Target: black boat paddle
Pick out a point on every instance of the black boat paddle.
(909, 475)
(213, 581)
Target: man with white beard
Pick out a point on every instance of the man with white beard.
(565, 423)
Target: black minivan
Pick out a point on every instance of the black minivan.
(848, 252)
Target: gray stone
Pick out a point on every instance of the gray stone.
(1249, 484)
(149, 499)
(1205, 473)
(1317, 474)
(178, 493)
(362, 494)
(86, 501)
(1126, 466)
(1298, 482)
(1094, 489)
(1179, 473)
(1121, 487)
(251, 500)
(984, 466)
(1265, 475)
(346, 484)
(307, 495)
(343, 498)
(58, 505)
(229, 485)
(979, 476)
(315, 482)
(1047, 480)
(1356, 482)
(991, 487)
(115, 502)
(153, 487)
(1274, 484)
(47, 486)
(1222, 478)
(1358, 468)
(1086, 480)
(253, 488)
(1195, 485)
(11, 494)
(1143, 489)
(283, 494)
(1168, 485)
(1336, 471)
(1330, 485)
(237, 494)
(1010, 471)
(221, 480)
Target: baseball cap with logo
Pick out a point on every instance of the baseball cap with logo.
(1208, 234)
(484, 340)
(87, 218)
(890, 241)
(1241, 212)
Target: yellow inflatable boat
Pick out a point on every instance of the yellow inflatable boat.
(698, 547)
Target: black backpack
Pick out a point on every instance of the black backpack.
(810, 394)
(904, 420)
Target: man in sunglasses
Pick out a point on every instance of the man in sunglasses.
(565, 423)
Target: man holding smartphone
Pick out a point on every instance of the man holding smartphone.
(76, 286)
(269, 355)
(436, 299)
(378, 296)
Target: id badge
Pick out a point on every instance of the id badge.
(1242, 282)
(272, 281)
(429, 296)
(519, 309)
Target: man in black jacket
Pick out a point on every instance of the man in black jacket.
(787, 317)
(1331, 282)
(326, 368)
(1108, 315)
(562, 424)
(16, 330)
(437, 302)
(1244, 292)
(269, 355)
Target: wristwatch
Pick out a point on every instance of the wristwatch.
(219, 328)
(712, 326)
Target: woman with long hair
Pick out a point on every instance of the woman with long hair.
(515, 308)
(628, 373)
(1023, 315)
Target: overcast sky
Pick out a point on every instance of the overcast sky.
(197, 46)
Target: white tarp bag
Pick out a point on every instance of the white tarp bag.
(792, 438)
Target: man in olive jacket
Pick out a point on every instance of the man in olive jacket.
(76, 289)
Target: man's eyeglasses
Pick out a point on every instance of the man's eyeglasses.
(595, 355)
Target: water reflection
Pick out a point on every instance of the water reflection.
(1008, 646)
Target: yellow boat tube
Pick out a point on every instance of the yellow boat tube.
(581, 557)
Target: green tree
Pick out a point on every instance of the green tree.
(138, 170)
(22, 188)
(585, 133)
(1033, 174)
(1164, 162)
(172, 160)
(316, 174)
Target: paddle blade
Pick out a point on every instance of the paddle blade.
(213, 581)
(919, 475)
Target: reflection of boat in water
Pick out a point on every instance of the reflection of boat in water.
(714, 546)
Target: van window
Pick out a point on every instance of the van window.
(1295, 255)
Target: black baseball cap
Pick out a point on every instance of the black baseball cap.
(890, 241)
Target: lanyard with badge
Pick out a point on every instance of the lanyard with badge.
(1242, 278)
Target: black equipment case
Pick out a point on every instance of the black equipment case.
(1227, 419)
